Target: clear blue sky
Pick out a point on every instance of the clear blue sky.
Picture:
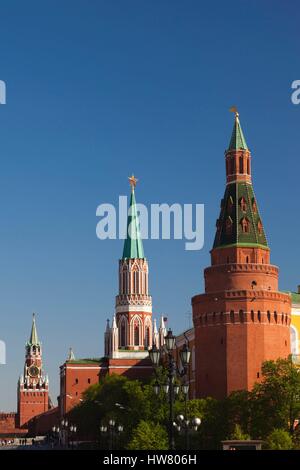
(97, 90)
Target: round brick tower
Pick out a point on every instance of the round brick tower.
(242, 319)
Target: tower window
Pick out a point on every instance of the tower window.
(241, 165)
(245, 225)
(89, 381)
(259, 227)
(275, 317)
(247, 259)
(228, 225)
(243, 204)
(147, 337)
(76, 381)
(232, 316)
(268, 316)
(136, 334)
(254, 206)
(241, 315)
(252, 315)
(123, 333)
(259, 316)
(257, 375)
(282, 318)
(248, 166)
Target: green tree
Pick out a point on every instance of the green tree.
(275, 402)
(148, 436)
(279, 439)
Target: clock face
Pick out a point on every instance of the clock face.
(33, 371)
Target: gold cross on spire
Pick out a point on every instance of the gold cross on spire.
(132, 181)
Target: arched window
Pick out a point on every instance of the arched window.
(241, 165)
(241, 315)
(282, 318)
(254, 206)
(268, 316)
(275, 317)
(294, 340)
(147, 336)
(245, 225)
(247, 259)
(243, 204)
(136, 332)
(123, 333)
(248, 166)
(232, 316)
(228, 225)
(252, 315)
(259, 316)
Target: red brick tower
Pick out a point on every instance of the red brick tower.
(242, 319)
(33, 394)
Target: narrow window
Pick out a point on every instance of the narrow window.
(136, 334)
(232, 316)
(252, 315)
(241, 315)
(241, 165)
(275, 317)
(259, 316)
(248, 166)
(268, 316)
(89, 381)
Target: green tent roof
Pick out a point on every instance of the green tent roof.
(133, 246)
(237, 207)
(237, 140)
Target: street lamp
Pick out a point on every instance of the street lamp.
(169, 387)
(187, 426)
(113, 429)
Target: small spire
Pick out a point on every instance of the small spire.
(33, 336)
(237, 140)
(107, 325)
(114, 323)
(71, 356)
(133, 246)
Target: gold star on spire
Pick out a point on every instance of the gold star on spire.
(132, 181)
(234, 110)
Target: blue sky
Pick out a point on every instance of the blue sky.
(97, 90)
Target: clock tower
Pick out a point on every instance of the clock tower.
(33, 385)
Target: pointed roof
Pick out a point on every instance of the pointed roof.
(133, 246)
(33, 340)
(71, 356)
(237, 140)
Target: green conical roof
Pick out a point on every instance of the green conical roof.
(133, 246)
(237, 140)
(34, 340)
(239, 207)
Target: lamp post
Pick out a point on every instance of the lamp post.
(187, 425)
(73, 430)
(113, 430)
(170, 388)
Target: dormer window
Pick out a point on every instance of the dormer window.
(243, 204)
(245, 225)
(254, 206)
(259, 227)
(228, 226)
(229, 204)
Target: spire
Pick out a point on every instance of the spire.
(133, 246)
(239, 222)
(237, 140)
(71, 356)
(33, 336)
